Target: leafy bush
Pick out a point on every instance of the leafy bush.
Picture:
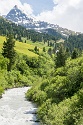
(60, 95)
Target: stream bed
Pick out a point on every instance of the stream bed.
(15, 109)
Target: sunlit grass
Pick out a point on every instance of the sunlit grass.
(2, 39)
(23, 48)
(20, 47)
(37, 43)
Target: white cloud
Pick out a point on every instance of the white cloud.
(27, 8)
(7, 5)
(67, 13)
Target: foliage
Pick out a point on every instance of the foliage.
(7, 27)
(74, 54)
(20, 47)
(8, 51)
(1, 91)
(57, 90)
(60, 57)
(44, 50)
(36, 49)
(74, 41)
(60, 99)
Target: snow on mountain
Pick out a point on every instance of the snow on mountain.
(17, 16)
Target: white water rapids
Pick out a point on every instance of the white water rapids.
(15, 110)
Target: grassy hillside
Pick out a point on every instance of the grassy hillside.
(2, 39)
(37, 43)
(7, 27)
(57, 89)
(28, 67)
(20, 47)
(23, 48)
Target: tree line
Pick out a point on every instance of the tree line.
(7, 27)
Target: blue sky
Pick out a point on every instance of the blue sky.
(39, 5)
(65, 13)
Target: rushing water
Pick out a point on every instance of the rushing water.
(15, 110)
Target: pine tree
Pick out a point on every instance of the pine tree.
(44, 49)
(60, 57)
(74, 54)
(50, 51)
(8, 51)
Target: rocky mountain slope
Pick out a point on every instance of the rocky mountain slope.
(17, 16)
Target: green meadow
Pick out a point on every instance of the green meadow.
(20, 47)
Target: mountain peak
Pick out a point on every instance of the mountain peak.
(17, 16)
(15, 7)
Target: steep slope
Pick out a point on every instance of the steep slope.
(20, 47)
(7, 27)
(60, 95)
(17, 16)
